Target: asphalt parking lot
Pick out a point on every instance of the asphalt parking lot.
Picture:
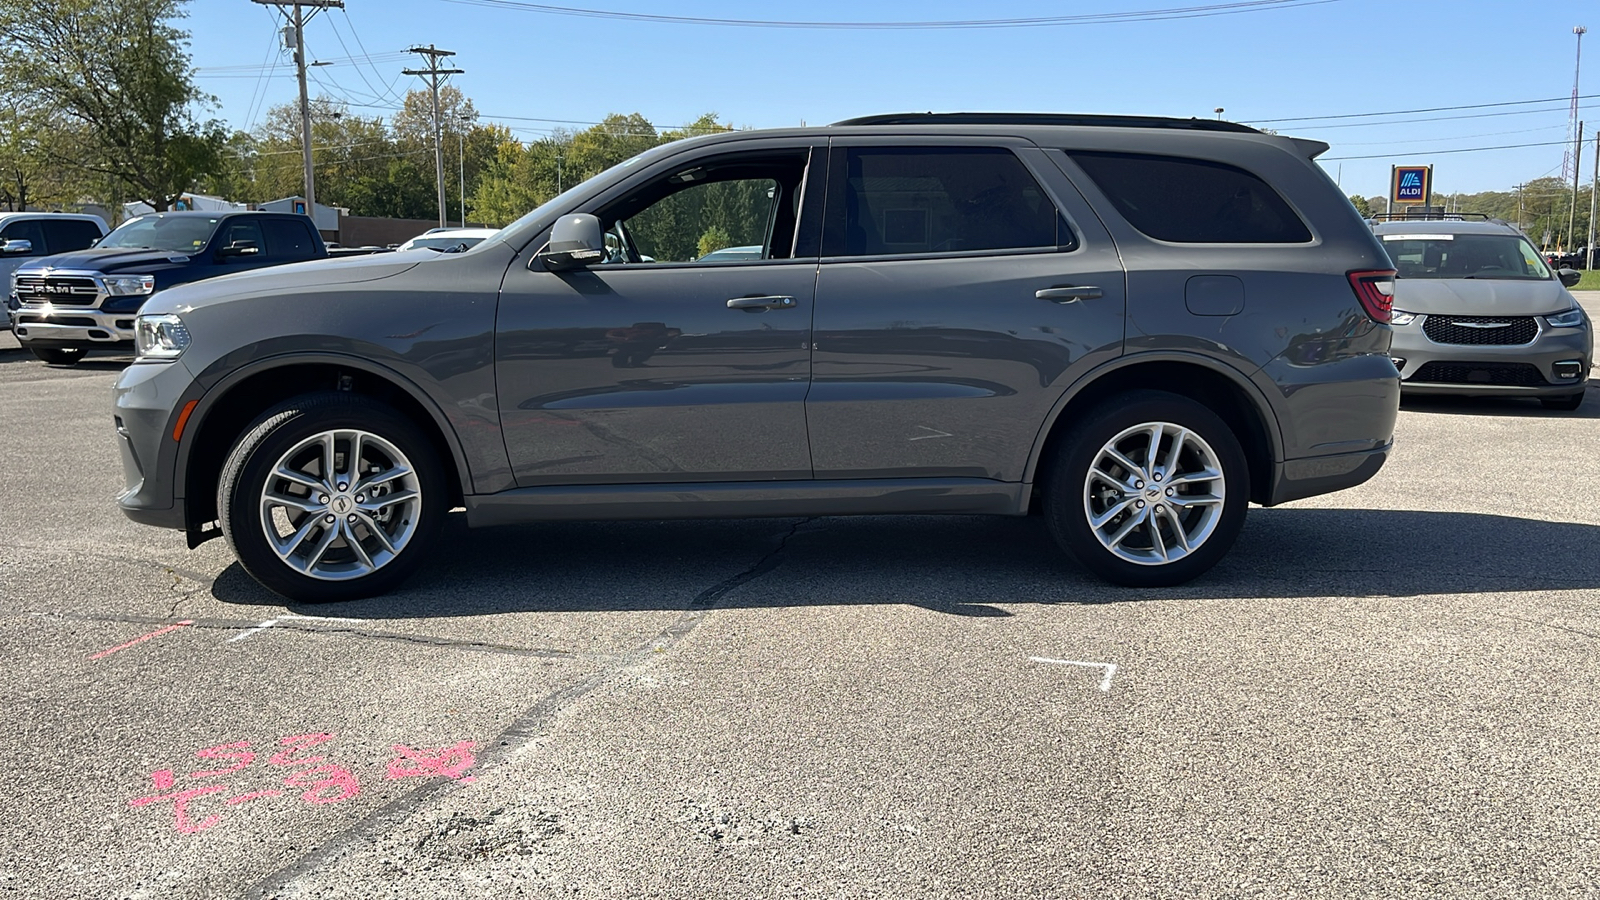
(1389, 691)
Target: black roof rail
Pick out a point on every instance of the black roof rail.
(1073, 119)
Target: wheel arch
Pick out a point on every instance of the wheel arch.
(1220, 387)
(218, 420)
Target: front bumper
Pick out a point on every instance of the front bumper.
(46, 325)
(1525, 370)
(146, 401)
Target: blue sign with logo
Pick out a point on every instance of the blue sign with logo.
(1411, 184)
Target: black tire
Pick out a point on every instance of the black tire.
(1565, 404)
(59, 356)
(1068, 501)
(279, 431)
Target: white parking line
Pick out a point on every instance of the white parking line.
(1105, 681)
(271, 622)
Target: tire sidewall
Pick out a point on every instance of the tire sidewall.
(1064, 509)
(274, 433)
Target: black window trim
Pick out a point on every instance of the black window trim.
(838, 147)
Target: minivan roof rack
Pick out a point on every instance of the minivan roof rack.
(1433, 217)
(1073, 119)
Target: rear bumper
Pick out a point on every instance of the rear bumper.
(47, 326)
(1297, 479)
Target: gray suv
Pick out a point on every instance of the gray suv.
(1131, 326)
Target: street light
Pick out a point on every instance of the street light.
(1218, 111)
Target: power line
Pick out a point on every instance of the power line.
(1457, 150)
(1151, 15)
(1431, 109)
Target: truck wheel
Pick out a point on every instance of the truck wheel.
(1150, 489)
(57, 356)
(332, 497)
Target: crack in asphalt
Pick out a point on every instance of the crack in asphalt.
(1551, 625)
(527, 726)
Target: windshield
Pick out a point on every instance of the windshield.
(1498, 256)
(184, 234)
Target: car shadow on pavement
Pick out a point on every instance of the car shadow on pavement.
(960, 566)
(1513, 407)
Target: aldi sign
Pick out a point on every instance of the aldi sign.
(1411, 184)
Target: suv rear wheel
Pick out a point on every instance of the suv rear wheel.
(59, 356)
(1149, 490)
(331, 497)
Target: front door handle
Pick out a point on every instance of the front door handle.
(1068, 294)
(757, 304)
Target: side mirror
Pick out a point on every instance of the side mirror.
(1569, 277)
(16, 247)
(240, 248)
(575, 242)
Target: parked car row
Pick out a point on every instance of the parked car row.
(74, 287)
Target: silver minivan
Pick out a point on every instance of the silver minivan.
(1478, 312)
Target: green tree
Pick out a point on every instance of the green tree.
(1360, 203)
(117, 70)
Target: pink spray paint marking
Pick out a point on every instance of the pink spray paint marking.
(142, 638)
(317, 780)
(451, 762)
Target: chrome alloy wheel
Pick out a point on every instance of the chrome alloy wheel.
(340, 505)
(1154, 493)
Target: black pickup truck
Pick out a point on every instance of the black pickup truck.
(64, 305)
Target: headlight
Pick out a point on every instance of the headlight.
(1572, 318)
(160, 337)
(129, 285)
(1401, 318)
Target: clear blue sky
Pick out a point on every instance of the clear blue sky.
(535, 71)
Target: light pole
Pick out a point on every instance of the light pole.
(461, 161)
(1219, 112)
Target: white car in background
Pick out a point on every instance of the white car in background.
(448, 240)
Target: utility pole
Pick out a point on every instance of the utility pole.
(297, 21)
(1594, 189)
(461, 162)
(432, 73)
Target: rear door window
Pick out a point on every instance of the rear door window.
(70, 234)
(1193, 201)
(288, 240)
(924, 200)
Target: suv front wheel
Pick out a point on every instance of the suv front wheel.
(1150, 489)
(59, 356)
(331, 497)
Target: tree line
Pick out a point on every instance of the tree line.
(98, 104)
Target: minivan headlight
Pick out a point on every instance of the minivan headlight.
(1398, 317)
(1572, 318)
(160, 337)
(129, 285)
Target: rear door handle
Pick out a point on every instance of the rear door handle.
(757, 304)
(1068, 294)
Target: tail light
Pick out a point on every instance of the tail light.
(1375, 289)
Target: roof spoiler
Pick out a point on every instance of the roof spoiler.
(1309, 148)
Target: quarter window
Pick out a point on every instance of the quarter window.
(917, 200)
(1193, 201)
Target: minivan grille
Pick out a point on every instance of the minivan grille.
(1481, 331)
(61, 290)
(1515, 374)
